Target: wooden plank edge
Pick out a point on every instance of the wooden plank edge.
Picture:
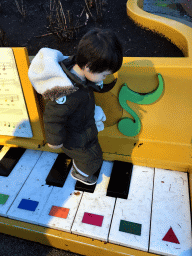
(65, 241)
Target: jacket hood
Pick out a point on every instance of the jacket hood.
(50, 75)
(47, 76)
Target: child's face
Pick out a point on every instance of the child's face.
(95, 77)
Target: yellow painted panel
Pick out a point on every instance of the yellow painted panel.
(65, 241)
(165, 122)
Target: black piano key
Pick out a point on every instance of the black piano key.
(1, 146)
(9, 161)
(87, 188)
(59, 172)
(120, 180)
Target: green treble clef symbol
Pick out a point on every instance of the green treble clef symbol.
(126, 125)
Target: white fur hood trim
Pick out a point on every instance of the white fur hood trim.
(47, 76)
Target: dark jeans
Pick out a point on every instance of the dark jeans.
(88, 159)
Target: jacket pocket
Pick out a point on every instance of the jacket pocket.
(81, 140)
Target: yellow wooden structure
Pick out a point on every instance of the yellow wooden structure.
(164, 140)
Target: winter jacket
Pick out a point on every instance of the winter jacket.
(69, 115)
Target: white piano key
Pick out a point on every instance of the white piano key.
(35, 191)
(136, 209)
(68, 199)
(96, 208)
(170, 212)
(3, 152)
(11, 185)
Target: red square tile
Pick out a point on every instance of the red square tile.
(59, 212)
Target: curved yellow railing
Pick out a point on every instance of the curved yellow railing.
(178, 33)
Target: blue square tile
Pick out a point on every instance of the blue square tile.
(29, 205)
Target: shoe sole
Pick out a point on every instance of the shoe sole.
(82, 180)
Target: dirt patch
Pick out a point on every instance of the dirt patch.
(32, 31)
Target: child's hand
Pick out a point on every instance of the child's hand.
(99, 118)
(99, 114)
(55, 147)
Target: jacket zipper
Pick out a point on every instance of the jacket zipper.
(89, 98)
(89, 94)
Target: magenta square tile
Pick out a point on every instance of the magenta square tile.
(92, 219)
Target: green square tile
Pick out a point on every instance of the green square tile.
(130, 227)
(3, 198)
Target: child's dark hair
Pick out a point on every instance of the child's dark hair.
(101, 50)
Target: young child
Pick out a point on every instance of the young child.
(67, 83)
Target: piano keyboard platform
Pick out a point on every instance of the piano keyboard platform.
(131, 210)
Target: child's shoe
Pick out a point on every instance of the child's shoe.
(90, 180)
